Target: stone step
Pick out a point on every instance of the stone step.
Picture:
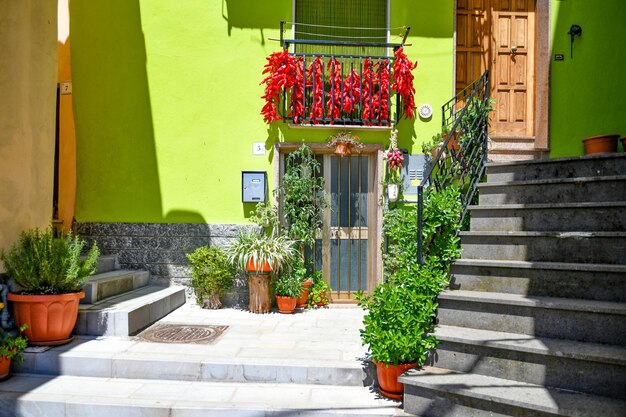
(229, 360)
(562, 190)
(112, 283)
(558, 318)
(585, 166)
(128, 313)
(606, 216)
(106, 263)
(550, 362)
(65, 396)
(575, 247)
(436, 392)
(600, 282)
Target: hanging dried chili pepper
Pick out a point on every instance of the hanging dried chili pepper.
(382, 108)
(317, 104)
(367, 91)
(297, 94)
(280, 68)
(333, 104)
(403, 81)
(351, 91)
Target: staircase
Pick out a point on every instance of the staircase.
(535, 321)
(120, 302)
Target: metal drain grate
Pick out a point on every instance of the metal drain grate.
(182, 333)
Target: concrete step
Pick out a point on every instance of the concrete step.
(606, 216)
(107, 263)
(543, 361)
(128, 313)
(435, 392)
(585, 166)
(229, 360)
(600, 282)
(68, 396)
(562, 190)
(112, 283)
(558, 318)
(570, 246)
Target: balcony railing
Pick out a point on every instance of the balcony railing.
(346, 89)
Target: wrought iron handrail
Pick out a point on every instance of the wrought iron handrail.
(461, 158)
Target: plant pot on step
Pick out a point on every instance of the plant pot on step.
(304, 295)
(50, 319)
(623, 140)
(387, 375)
(5, 367)
(600, 144)
(286, 305)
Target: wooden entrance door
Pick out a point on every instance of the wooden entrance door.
(499, 35)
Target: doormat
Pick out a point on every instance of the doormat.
(182, 333)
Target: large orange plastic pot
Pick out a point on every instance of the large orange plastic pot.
(266, 268)
(50, 319)
(388, 384)
(286, 305)
(600, 144)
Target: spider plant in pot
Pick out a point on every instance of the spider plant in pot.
(49, 274)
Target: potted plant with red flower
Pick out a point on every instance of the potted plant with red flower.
(344, 142)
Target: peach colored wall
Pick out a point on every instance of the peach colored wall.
(28, 34)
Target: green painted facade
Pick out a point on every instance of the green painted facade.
(588, 91)
(167, 97)
(167, 102)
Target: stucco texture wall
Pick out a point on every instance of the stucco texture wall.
(167, 101)
(588, 91)
(27, 115)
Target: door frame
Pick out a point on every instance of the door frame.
(375, 151)
(542, 74)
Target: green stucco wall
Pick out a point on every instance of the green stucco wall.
(588, 92)
(167, 101)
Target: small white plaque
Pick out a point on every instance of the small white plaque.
(425, 111)
(258, 148)
(66, 88)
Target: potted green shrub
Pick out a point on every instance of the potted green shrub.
(211, 275)
(11, 348)
(50, 274)
(287, 289)
(319, 291)
(260, 254)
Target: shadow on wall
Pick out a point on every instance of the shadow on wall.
(266, 14)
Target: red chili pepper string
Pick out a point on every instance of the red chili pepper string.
(297, 104)
(367, 91)
(403, 81)
(317, 105)
(351, 91)
(382, 110)
(333, 104)
(280, 68)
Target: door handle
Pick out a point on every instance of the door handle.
(513, 50)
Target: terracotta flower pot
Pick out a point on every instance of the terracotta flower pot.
(388, 384)
(5, 367)
(266, 268)
(286, 305)
(50, 318)
(600, 144)
(343, 149)
(304, 295)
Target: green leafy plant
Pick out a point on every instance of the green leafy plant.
(266, 216)
(211, 275)
(12, 346)
(288, 284)
(42, 263)
(277, 250)
(319, 290)
(400, 315)
(302, 195)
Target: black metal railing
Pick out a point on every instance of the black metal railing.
(460, 159)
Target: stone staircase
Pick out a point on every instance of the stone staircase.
(120, 302)
(535, 321)
(514, 148)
